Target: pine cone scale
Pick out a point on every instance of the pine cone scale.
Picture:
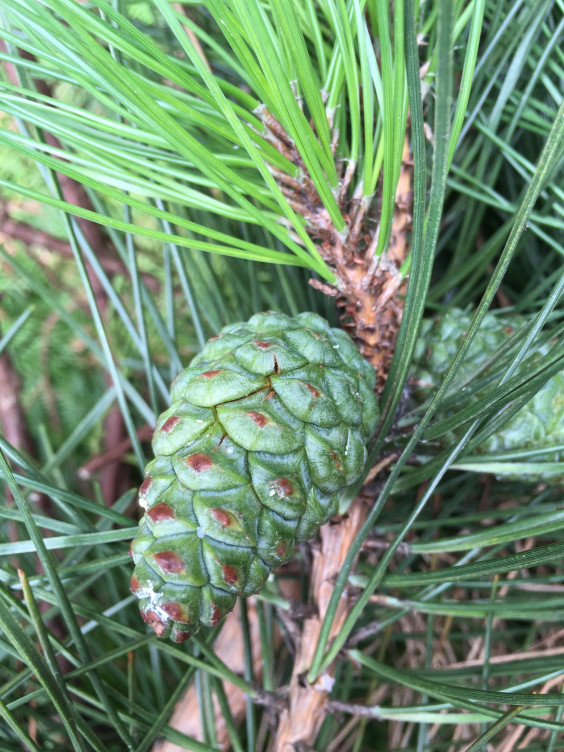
(538, 425)
(266, 427)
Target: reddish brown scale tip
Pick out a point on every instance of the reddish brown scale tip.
(181, 636)
(285, 486)
(170, 423)
(257, 418)
(130, 552)
(509, 329)
(263, 345)
(176, 611)
(312, 390)
(145, 485)
(209, 374)
(223, 517)
(280, 548)
(336, 458)
(151, 618)
(161, 512)
(170, 562)
(216, 615)
(230, 574)
(199, 462)
(134, 585)
(270, 395)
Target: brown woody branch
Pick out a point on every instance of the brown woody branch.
(13, 423)
(32, 236)
(300, 724)
(114, 453)
(370, 289)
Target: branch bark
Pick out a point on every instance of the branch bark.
(32, 236)
(300, 724)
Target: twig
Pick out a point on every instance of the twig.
(371, 289)
(12, 228)
(116, 475)
(12, 417)
(115, 453)
(32, 236)
(334, 706)
(301, 722)
(49, 396)
(371, 298)
(371, 629)
(16, 432)
(191, 36)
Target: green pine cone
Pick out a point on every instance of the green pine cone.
(540, 423)
(267, 426)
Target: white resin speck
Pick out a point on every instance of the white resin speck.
(324, 683)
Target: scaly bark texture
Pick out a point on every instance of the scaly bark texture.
(371, 290)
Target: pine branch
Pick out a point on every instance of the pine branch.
(307, 703)
(370, 289)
